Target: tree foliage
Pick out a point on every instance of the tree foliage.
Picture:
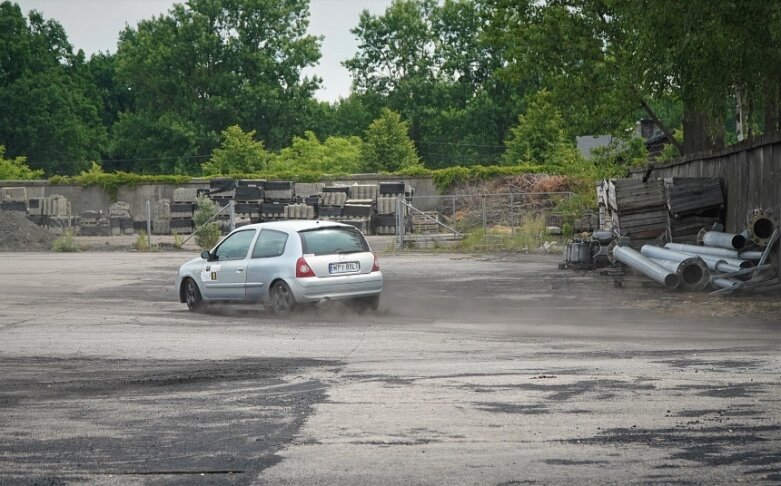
(238, 153)
(388, 147)
(16, 169)
(335, 155)
(50, 108)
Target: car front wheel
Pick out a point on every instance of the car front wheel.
(192, 296)
(282, 300)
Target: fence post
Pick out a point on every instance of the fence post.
(485, 225)
(512, 214)
(149, 223)
(399, 224)
(232, 214)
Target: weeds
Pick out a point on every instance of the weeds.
(65, 243)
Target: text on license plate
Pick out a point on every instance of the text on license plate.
(344, 267)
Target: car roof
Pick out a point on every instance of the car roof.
(295, 225)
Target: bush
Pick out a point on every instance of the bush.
(207, 234)
(65, 243)
(142, 242)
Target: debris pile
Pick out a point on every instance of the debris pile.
(17, 233)
(724, 261)
(693, 203)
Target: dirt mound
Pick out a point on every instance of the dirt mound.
(17, 233)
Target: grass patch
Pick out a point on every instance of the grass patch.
(530, 235)
(66, 243)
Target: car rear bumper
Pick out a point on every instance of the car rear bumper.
(335, 288)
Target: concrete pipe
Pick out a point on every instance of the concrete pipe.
(634, 259)
(760, 226)
(723, 240)
(692, 272)
(702, 250)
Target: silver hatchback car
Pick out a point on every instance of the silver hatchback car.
(284, 264)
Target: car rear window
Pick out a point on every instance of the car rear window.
(327, 241)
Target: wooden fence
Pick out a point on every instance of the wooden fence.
(751, 172)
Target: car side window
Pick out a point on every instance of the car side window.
(270, 244)
(236, 246)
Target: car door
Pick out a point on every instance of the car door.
(267, 262)
(225, 274)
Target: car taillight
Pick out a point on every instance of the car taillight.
(303, 269)
(376, 266)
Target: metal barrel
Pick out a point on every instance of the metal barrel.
(724, 240)
(702, 250)
(642, 264)
(692, 271)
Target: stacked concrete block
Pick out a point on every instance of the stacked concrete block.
(279, 192)
(181, 210)
(299, 211)
(94, 223)
(13, 199)
(161, 217)
(248, 202)
(56, 213)
(120, 220)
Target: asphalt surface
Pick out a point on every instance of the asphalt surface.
(500, 370)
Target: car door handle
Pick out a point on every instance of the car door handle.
(239, 270)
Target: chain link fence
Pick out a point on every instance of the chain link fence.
(522, 220)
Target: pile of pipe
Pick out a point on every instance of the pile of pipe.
(725, 262)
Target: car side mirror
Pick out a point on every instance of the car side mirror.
(206, 255)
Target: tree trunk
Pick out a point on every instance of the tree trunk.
(700, 132)
(772, 115)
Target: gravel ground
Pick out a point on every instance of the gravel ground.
(500, 370)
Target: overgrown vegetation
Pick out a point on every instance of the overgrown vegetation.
(111, 182)
(207, 234)
(529, 235)
(142, 242)
(16, 168)
(66, 243)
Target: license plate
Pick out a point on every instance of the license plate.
(344, 267)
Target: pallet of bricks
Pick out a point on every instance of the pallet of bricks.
(635, 208)
(693, 203)
(359, 208)
(248, 197)
(182, 208)
(222, 192)
(331, 200)
(386, 219)
(277, 195)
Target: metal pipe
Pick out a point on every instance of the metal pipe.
(723, 240)
(634, 259)
(663, 253)
(722, 283)
(750, 255)
(693, 272)
(702, 250)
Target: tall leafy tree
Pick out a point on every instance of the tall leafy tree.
(388, 146)
(50, 108)
(210, 64)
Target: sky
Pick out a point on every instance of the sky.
(94, 25)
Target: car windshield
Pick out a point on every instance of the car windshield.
(327, 241)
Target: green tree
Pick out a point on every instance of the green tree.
(540, 137)
(211, 64)
(336, 155)
(387, 145)
(239, 153)
(50, 107)
(16, 168)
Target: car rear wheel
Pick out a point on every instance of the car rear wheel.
(282, 300)
(192, 296)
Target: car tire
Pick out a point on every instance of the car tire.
(282, 300)
(192, 296)
(365, 305)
